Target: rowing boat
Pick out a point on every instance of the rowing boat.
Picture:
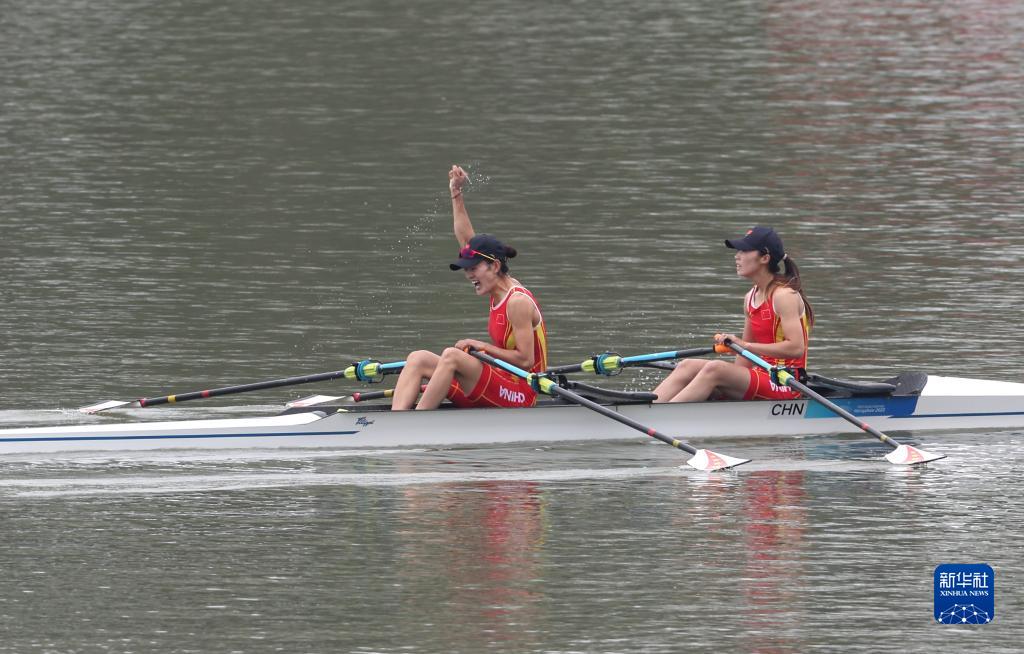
(913, 402)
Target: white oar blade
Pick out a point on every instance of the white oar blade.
(103, 406)
(314, 400)
(907, 455)
(709, 461)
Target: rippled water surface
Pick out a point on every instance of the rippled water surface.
(199, 194)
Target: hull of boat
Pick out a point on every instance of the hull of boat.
(945, 404)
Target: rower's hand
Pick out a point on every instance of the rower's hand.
(720, 339)
(457, 177)
(467, 343)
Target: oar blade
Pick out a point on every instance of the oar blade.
(314, 400)
(908, 455)
(710, 461)
(103, 406)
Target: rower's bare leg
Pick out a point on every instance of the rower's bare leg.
(453, 364)
(419, 365)
(678, 379)
(719, 378)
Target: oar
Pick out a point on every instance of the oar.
(701, 460)
(315, 400)
(611, 363)
(366, 371)
(608, 363)
(901, 454)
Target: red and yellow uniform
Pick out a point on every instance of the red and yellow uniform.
(499, 388)
(765, 327)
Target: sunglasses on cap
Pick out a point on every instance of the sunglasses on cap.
(468, 253)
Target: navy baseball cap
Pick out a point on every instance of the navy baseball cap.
(482, 247)
(760, 239)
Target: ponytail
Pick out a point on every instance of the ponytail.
(788, 274)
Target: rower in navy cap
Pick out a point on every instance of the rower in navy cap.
(515, 326)
(778, 320)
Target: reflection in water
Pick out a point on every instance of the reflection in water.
(475, 550)
(774, 522)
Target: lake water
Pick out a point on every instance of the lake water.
(201, 194)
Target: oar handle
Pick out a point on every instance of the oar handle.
(378, 395)
(372, 395)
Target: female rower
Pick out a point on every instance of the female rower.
(516, 329)
(777, 326)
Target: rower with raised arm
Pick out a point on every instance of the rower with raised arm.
(515, 326)
(778, 320)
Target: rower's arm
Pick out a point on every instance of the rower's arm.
(457, 178)
(520, 316)
(748, 334)
(788, 307)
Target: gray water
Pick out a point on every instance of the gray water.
(200, 194)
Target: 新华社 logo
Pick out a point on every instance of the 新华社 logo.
(965, 593)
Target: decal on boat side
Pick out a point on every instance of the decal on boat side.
(789, 409)
(363, 422)
(890, 407)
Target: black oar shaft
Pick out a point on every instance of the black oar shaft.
(900, 455)
(241, 388)
(840, 411)
(790, 380)
(555, 389)
(364, 371)
(548, 386)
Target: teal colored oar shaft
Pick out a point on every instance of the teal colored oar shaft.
(551, 388)
(790, 380)
(614, 361)
(665, 356)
